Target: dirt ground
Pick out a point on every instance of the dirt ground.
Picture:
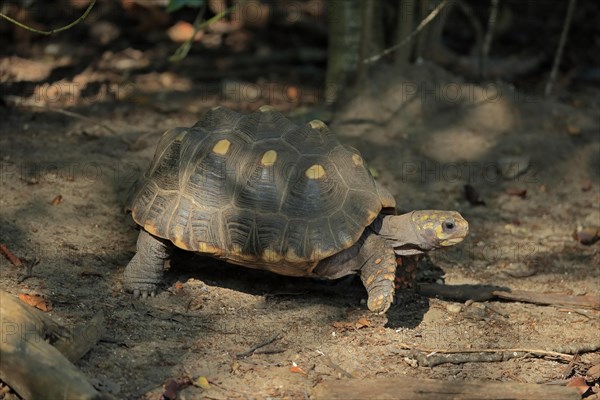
(80, 120)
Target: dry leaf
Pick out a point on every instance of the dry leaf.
(362, 323)
(173, 387)
(235, 367)
(342, 325)
(171, 390)
(57, 200)
(202, 382)
(35, 301)
(292, 93)
(573, 130)
(586, 185)
(516, 192)
(578, 382)
(182, 31)
(297, 370)
(593, 374)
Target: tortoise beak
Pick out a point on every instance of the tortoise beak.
(451, 241)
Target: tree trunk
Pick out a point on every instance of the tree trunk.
(344, 46)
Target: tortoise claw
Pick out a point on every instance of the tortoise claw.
(143, 293)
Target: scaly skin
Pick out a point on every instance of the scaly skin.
(378, 273)
(145, 270)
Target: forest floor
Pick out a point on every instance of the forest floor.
(79, 123)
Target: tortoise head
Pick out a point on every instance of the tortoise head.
(424, 230)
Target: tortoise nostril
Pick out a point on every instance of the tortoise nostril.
(449, 225)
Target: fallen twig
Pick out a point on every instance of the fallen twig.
(484, 293)
(336, 367)
(432, 360)
(252, 349)
(587, 301)
(18, 101)
(567, 372)
(432, 357)
(580, 312)
(274, 351)
(28, 270)
(14, 260)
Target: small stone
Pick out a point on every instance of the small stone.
(519, 270)
(454, 308)
(573, 130)
(593, 374)
(412, 362)
(587, 235)
(511, 167)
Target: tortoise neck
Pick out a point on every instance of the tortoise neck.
(399, 230)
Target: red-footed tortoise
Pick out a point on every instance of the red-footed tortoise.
(260, 191)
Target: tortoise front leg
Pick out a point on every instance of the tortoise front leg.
(144, 271)
(378, 272)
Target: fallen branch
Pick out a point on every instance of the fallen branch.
(421, 389)
(587, 301)
(36, 368)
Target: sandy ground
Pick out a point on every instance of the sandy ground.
(425, 132)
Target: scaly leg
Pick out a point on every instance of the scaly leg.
(378, 272)
(144, 271)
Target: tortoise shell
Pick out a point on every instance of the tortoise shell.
(258, 190)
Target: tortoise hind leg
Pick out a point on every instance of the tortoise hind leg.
(378, 272)
(144, 271)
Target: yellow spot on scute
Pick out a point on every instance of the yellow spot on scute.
(318, 125)
(204, 247)
(151, 228)
(292, 257)
(357, 160)
(180, 136)
(221, 147)
(178, 241)
(371, 215)
(178, 238)
(266, 108)
(316, 171)
(269, 158)
(272, 256)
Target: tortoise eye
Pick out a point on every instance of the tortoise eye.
(448, 225)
